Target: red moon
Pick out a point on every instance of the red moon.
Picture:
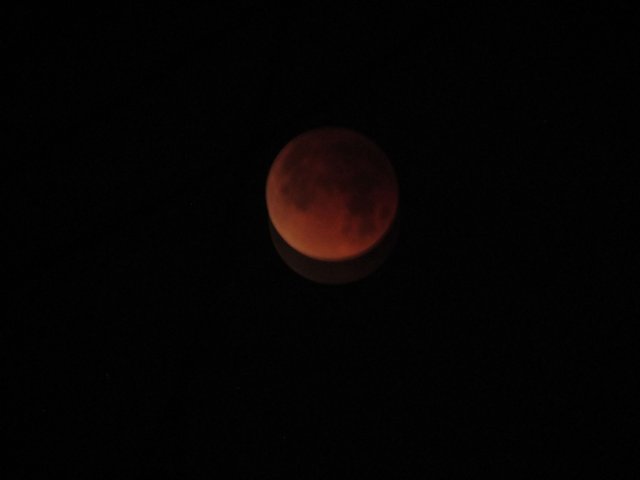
(332, 194)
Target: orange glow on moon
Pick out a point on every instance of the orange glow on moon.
(332, 194)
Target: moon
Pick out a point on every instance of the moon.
(332, 194)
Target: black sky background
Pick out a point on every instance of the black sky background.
(153, 328)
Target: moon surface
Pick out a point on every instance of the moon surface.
(332, 194)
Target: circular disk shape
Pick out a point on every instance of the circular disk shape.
(332, 194)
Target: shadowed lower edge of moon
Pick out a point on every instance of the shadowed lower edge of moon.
(335, 272)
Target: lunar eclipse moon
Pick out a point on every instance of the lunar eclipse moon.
(332, 194)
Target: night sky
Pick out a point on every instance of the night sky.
(153, 328)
